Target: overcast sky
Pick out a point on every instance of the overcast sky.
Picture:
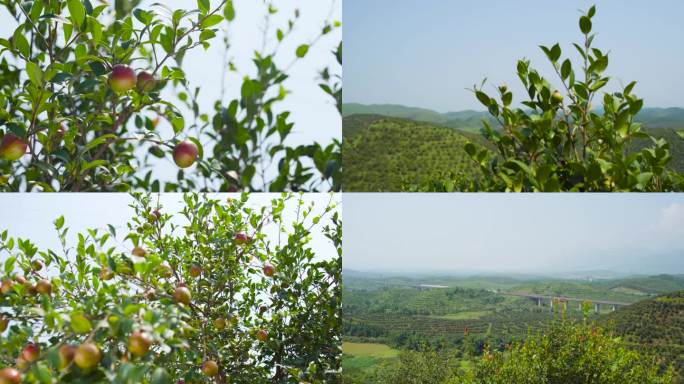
(426, 52)
(313, 111)
(32, 215)
(525, 233)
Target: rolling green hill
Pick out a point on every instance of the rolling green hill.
(655, 325)
(385, 154)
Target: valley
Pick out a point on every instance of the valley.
(464, 316)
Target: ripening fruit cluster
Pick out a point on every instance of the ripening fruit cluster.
(123, 79)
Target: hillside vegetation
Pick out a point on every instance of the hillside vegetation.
(462, 324)
(655, 325)
(387, 154)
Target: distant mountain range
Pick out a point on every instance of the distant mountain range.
(471, 120)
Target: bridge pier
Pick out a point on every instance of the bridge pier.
(597, 308)
(614, 307)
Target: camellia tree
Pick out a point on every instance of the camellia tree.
(204, 295)
(559, 141)
(81, 94)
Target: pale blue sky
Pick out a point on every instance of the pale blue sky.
(523, 233)
(315, 114)
(426, 52)
(31, 215)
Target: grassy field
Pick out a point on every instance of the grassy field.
(375, 350)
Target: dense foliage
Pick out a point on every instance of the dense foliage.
(81, 95)
(385, 154)
(202, 295)
(567, 352)
(655, 326)
(559, 142)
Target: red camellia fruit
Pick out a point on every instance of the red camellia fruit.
(139, 343)
(195, 270)
(66, 355)
(262, 335)
(4, 323)
(185, 154)
(269, 270)
(12, 147)
(182, 295)
(139, 251)
(9, 376)
(210, 368)
(122, 78)
(6, 286)
(241, 239)
(87, 356)
(30, 352)
(44, 287)
(146, 81)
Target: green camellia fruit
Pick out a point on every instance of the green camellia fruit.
(210, 368)
(37, 265)
(182, 295)
(122, 78)
(139, 343)
(220, 323)
(9, 376)
(87, 356)
(12, 147)
(556, 97)
(146, 81)
(185, 154)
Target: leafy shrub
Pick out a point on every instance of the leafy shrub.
(560, 142)
(74, 116)
(203, 296)
(568, 353)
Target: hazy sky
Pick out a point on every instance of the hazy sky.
(426, 52)
(31, 215)
(625, 233)
(313, 111)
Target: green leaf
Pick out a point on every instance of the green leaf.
(178, 124)
(77, 11)
(80, 324)
(210, 21)
(302, 50)
(203, 5)
(555, 53)
(34, 73)
(566, 68)
(585, 24)
(229, 11)
(59, 222)
(160, 376)
(98, 141)
(20, 43)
